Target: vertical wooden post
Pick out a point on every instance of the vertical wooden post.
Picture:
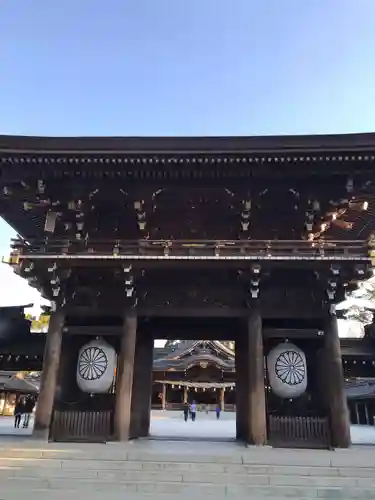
(356, 413)
(256, 399)
(163, 396)
(142, 386)
(5, 403)
(185, 394)
(367, 413)
(51, 360)
(124, 381)
(337, 403)
(146, 389)
(222, 398)
(241, 386)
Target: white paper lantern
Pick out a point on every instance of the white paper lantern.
(96, 367)
(287, 370)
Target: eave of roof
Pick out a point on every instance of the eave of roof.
(8, 308)
(186, 348)
(188, 362)
(254, 144)
(14, 384)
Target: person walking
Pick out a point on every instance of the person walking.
(193, 410)
(28, 410)
(18, 412)
(218, 411)
(186, 411)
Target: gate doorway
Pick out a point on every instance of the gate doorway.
(194, 374)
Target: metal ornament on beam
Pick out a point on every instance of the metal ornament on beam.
(130, 295)
(55, 280)
(255, 281)
(333, 282)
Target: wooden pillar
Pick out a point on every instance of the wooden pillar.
(163, 396)
(142, 386)
(256, 398)
(124, 380)
(356, 413)
(146, 405)
(51, 360)
(222, 398)
(337, 403)
(5, 403)
(366, 413)
(241, 386)
(185, 394)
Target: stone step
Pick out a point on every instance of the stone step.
(89, 489)
(92, 468)
(113, 472)
(48, 476)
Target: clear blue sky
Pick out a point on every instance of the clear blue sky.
(186, 67)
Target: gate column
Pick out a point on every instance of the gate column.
(48, 382)
(241, 389)
(124, 381)
(336, 398)
(256, 429)
(163, 396)
(142, 386)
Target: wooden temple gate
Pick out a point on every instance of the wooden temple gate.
(252, 240)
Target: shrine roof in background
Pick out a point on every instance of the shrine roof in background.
(358, 348)
(191, 353)
(7, 311)
(31, 346)
(10, 382)
(189, 347)
(202, 360)
(357, 388)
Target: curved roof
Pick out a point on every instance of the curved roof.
(191, 353)
(190, 361)
(9, 382)
(186, 347)
(342, 142)
(360, 389)
(357, 225)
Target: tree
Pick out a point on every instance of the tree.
(172, 345)
(359, 313)
(361, 303)
(40, 324)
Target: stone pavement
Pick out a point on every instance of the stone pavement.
(7, 428)
(170, 424)
(166, 470)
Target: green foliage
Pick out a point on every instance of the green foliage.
(39, 324)
(362, 303)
